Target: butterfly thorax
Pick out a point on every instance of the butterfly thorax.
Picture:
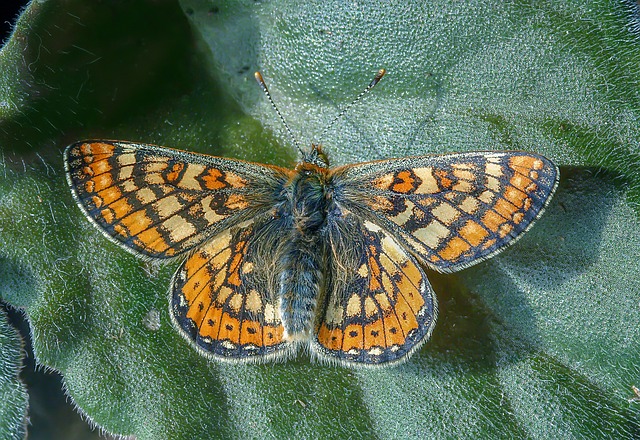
(308, 198)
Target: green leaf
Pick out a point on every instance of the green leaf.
(539, 342)
(13, 394)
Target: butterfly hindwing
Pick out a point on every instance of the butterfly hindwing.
(159, 202)
(223, 298)
(454, 210)
(379, 305)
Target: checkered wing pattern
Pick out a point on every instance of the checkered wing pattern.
(380, 306)
(224, 299)
(159, 202)
(454, 210)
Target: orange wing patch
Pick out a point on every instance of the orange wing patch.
(380, 312)
(222, 302)
(160, 202)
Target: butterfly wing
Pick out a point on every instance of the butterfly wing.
(223, 297)
(159, 202)
(380, 306)
(454, 210)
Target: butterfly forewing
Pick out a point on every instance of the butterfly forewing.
(223, 295)
(160, 202)
(454, 210)
(379, 305)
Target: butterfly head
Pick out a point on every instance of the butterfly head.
(315, 157)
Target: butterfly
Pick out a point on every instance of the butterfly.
(328, 259)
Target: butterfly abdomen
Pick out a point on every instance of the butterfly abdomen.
(299, 286)
(301, 260)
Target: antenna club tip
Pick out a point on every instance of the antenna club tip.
(260, 80)
(377, 78)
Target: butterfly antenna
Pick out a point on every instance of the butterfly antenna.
(260, 80)
(371, 85)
